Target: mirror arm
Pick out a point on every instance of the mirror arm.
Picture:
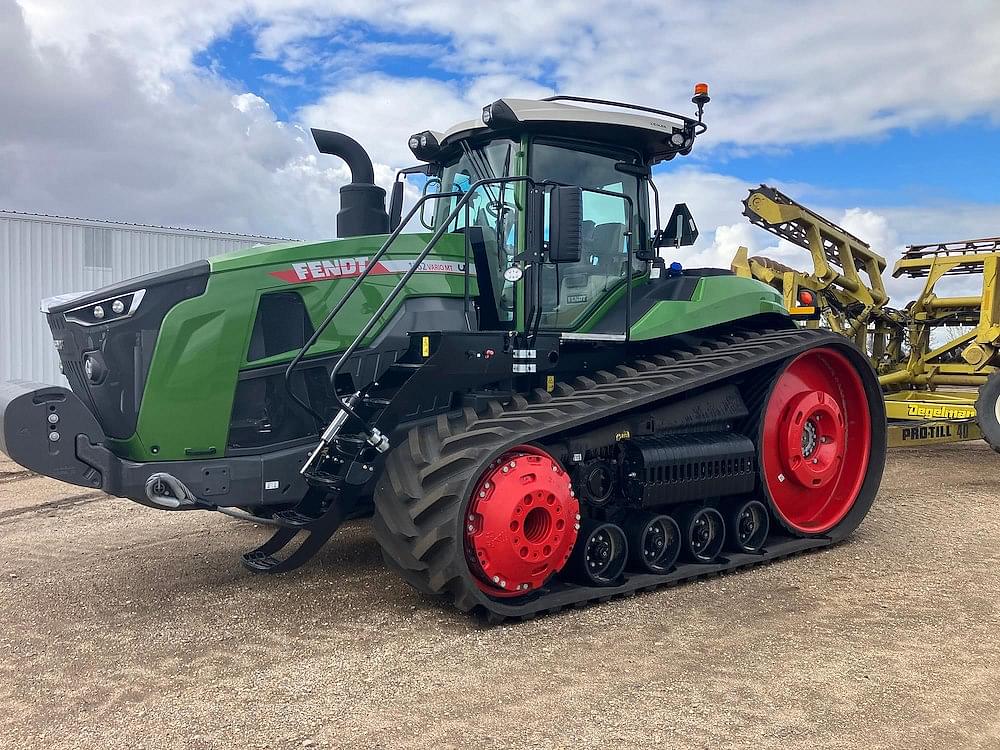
(396, 196)
(423, 220)
(650, 253)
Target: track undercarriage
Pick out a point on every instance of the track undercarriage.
(501, 512)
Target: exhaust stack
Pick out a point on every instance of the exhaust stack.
(362, 202)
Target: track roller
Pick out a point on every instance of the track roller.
(704, 533)
(654, 542)
(748, 525)
(600, 554)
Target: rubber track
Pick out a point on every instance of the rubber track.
(428, 479)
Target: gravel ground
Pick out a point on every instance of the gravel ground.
(124, 627)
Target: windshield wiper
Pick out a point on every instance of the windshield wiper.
(481, 166)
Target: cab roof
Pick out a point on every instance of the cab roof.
(656, 134)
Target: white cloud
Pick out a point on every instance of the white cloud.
(782, 72)
(716, 203)
(382, 112)
(86, 137)
(715, 200)
(109, 117)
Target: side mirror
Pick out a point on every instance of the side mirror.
(680, 229)
(396, 205)
(565, 225)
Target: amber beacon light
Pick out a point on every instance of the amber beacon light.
(701, 97)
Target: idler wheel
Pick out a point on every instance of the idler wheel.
(815, 441)
(521, 522)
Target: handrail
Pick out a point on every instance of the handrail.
(347, 295)
(459, 205)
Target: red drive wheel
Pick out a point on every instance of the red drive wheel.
(521, 523)
(815, 441)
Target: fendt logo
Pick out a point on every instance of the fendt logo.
(347, 268)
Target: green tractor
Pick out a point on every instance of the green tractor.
(538, 411)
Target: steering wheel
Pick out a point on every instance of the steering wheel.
(496, 207)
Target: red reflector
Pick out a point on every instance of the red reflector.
(806, 297)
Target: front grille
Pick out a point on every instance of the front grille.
(124, 346)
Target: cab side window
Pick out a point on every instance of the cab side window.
(570, 291)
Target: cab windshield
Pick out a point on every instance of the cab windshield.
(483, 162)
(490, 215)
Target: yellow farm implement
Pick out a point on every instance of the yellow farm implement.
(936, 391)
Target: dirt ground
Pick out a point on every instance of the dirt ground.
(123, 627)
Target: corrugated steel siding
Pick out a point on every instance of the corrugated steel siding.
(41, 257)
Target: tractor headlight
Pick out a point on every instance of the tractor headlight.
(95, 368)
(499, 115)
(425, 145)
(107, 311)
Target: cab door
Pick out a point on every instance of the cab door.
(574, 295)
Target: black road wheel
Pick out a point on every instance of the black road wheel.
(654, 542)
(749, 524)
(704, 534)
(600, 554)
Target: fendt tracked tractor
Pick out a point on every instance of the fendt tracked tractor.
(538, 411)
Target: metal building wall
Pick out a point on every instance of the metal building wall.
(42, 256)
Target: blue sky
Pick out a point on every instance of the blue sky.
(901, 167)
(235, 57)
(932, 162)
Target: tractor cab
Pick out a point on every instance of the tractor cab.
(604, 151)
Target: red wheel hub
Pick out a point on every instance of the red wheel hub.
(816, 441)
(521, 523)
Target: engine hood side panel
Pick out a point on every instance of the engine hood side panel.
(203, 344)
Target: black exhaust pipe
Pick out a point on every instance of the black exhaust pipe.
(362, 202)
